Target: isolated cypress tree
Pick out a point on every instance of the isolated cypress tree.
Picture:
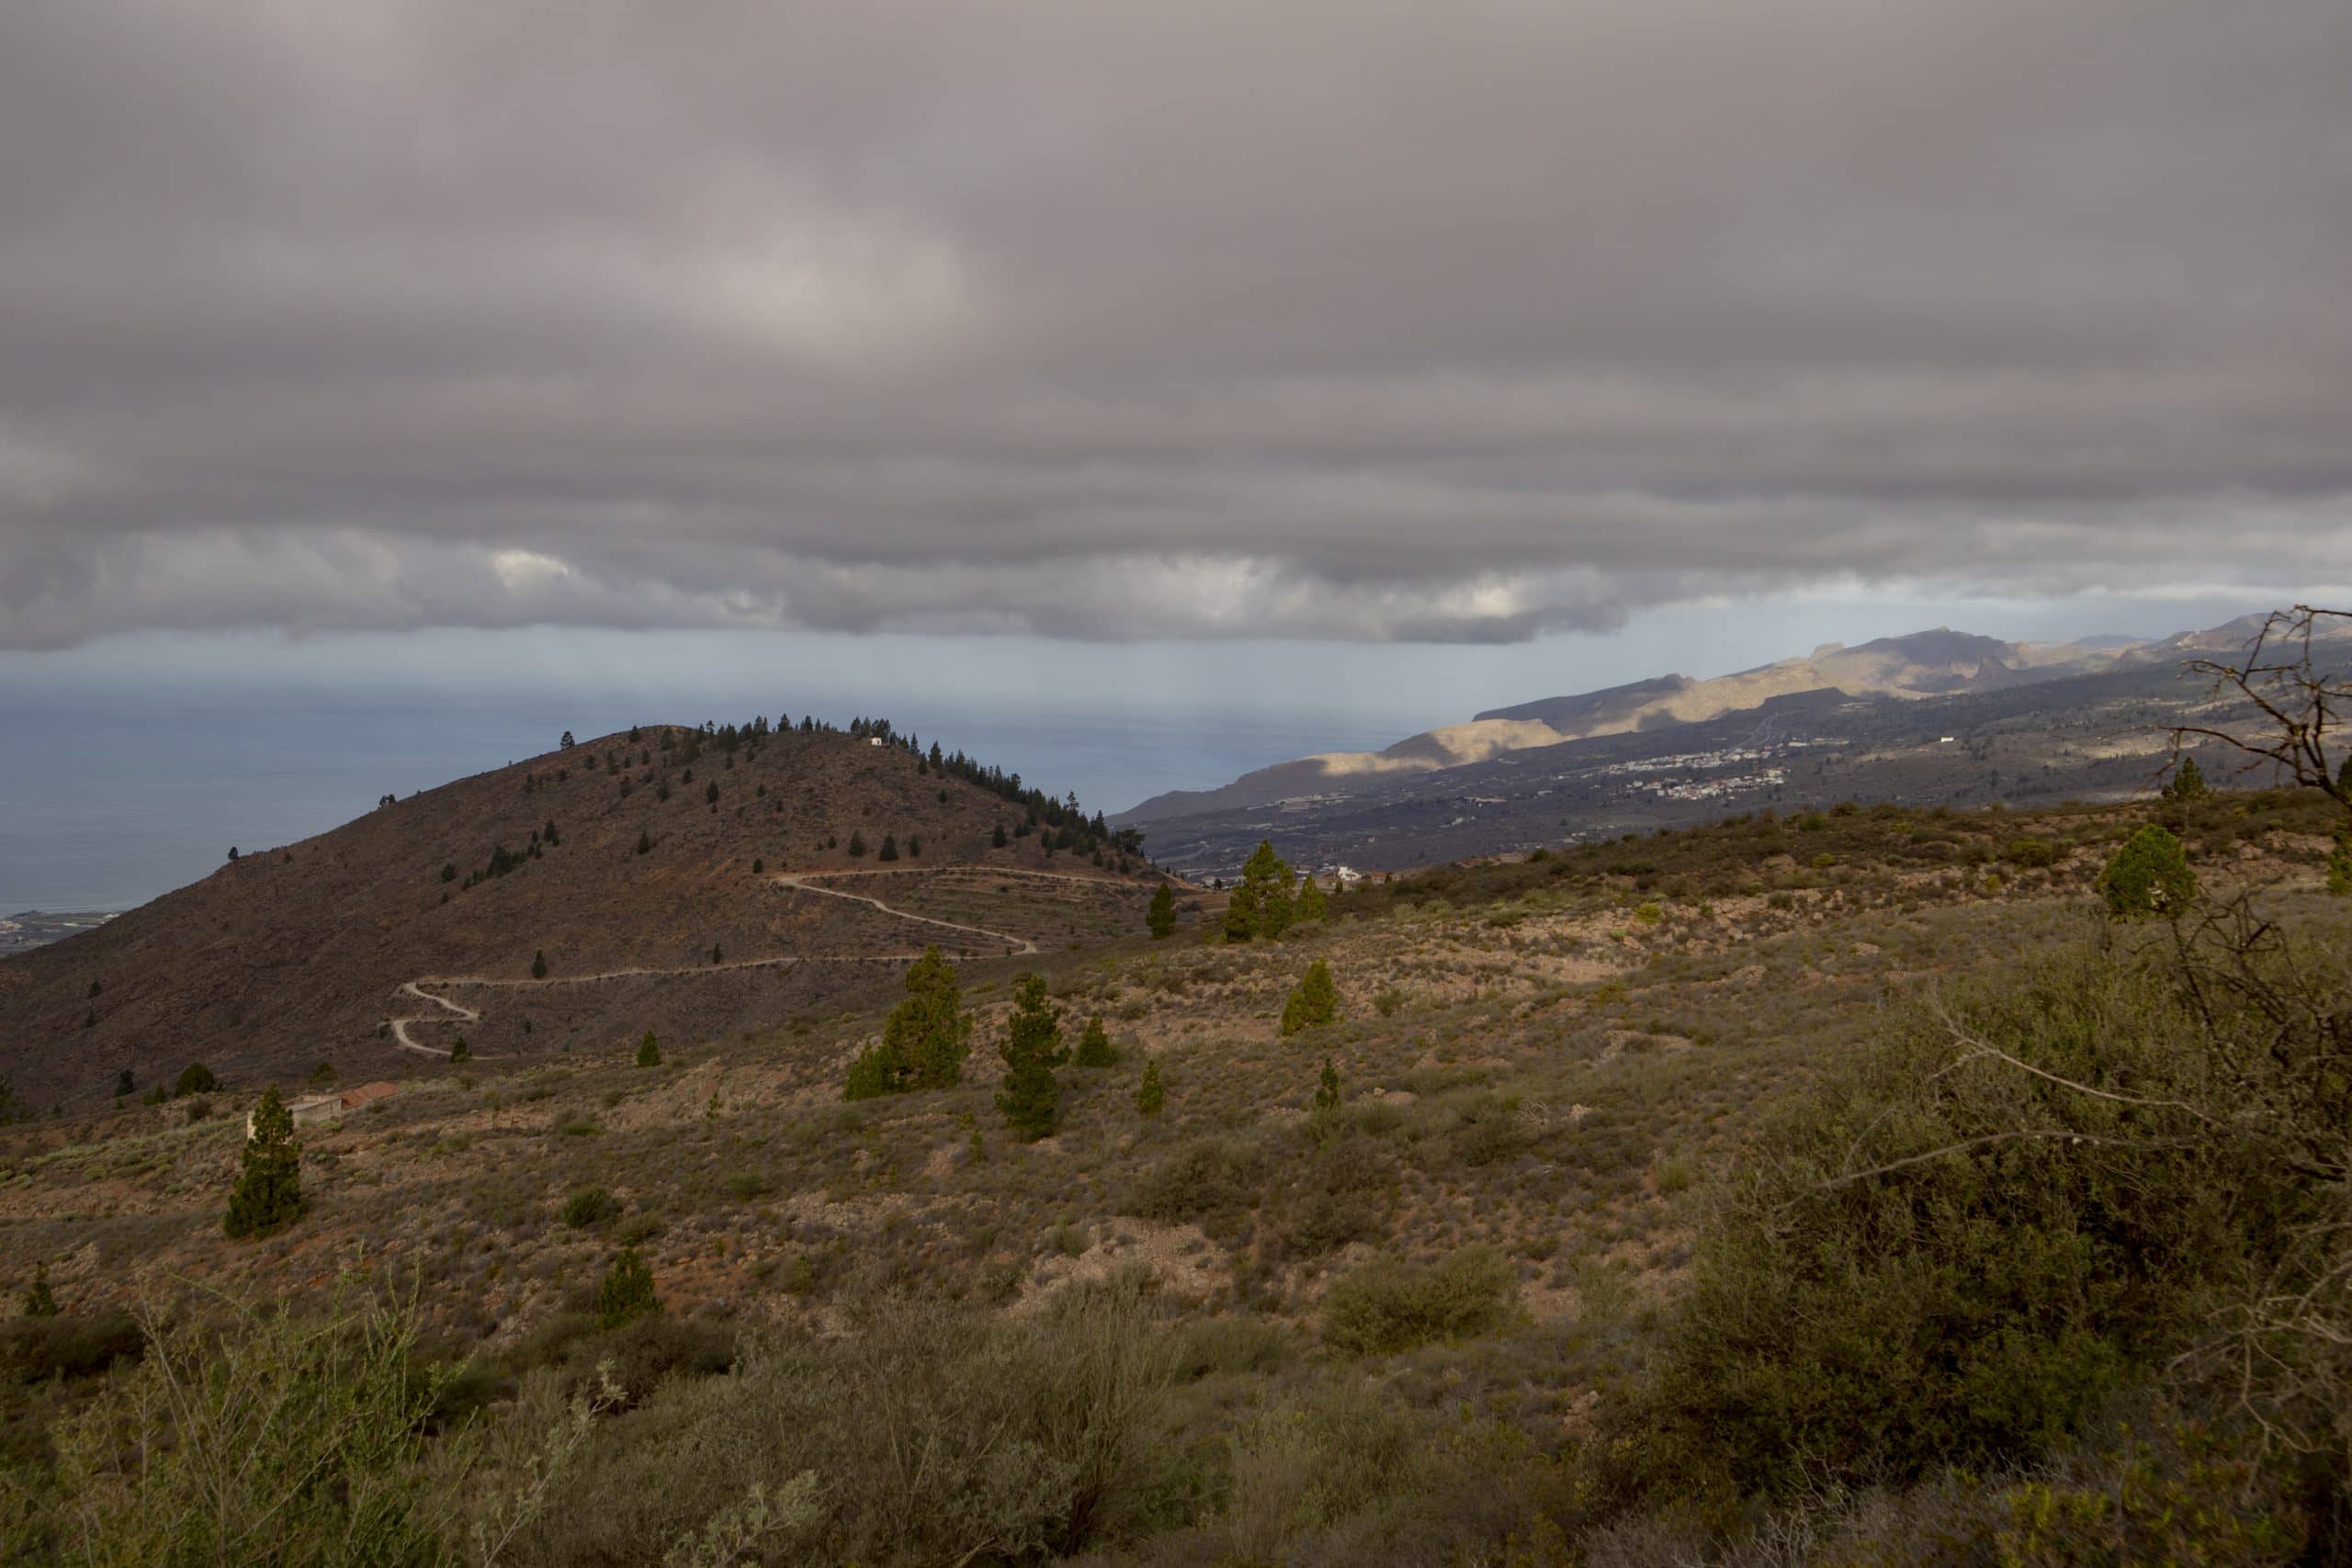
(1151, 1098)
(2149, 878)
(1162, 918)
(1094, 1045)
(539, 965)
(268, 1193)
(1029, 1096)
(856, 843)
(627, 1291)
(1327, 1088)
(889, 846)
(1315, 1001)
(649, 1051)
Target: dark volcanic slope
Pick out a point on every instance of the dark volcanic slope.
(292, 954)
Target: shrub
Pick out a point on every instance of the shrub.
(1389, 1306)
(942, 1435)
(2030, 852)
(2149, 878)
(195, 1078)
(268, 1438)
(1151, 1096)
(1203, 1178)
(588, 1206)
(1950, 1258)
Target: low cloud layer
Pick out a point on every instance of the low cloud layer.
(1336, 320)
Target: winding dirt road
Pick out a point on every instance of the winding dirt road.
(451, 1013)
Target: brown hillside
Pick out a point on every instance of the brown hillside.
(297, 954)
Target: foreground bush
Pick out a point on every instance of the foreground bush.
(2020, 1203)
(934, 1434)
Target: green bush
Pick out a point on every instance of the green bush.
(2148, 878)
(1949, 1255)
(1204, 1179)
(2030, 853)
(1388, 1305)
(588, 1206)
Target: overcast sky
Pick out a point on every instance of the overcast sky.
(1458, 323)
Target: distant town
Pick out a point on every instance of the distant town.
(39, 927)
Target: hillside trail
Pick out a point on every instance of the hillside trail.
(453, 1013)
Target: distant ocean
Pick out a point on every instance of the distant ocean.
(106, 803)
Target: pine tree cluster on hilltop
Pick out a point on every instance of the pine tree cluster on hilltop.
(1063, 824)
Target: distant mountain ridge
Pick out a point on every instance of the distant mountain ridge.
(1935, 662)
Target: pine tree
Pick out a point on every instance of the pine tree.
(1240, 913)
(997, 838)
(195, 1078)
(627, 1291)
(40, 1300)
(1032, 1049)
(268, 1193)
(925, 1039)
(1151, 1098)
(1094, 1045)
(2187, 783)
(124, 1084)
(889, 846)
(715, 955)
(1312, 903)
(1315, 1001)
(649, 1051)
(711, 793)
(460, 1051)
(2148, 878)
(1162, 918)
(1327, 1089)
(856, 843)
(565, 744)
(644, 841)
(1261, 902)
(539, 965)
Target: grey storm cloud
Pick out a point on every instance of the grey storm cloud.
(1370, 321)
